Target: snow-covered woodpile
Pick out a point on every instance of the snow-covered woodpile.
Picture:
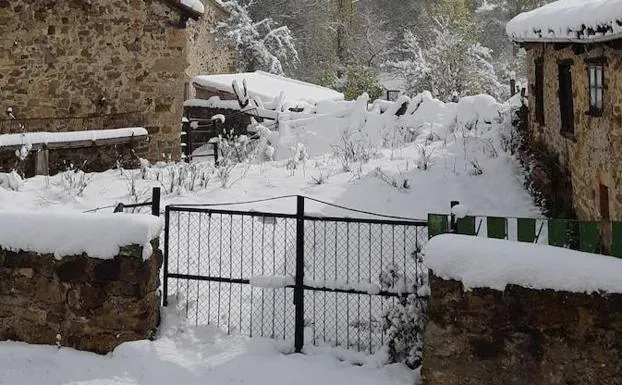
(502, 312)
(79, 280)
(569, 21)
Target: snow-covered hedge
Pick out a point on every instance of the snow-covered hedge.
(492, 263)
(65, 234)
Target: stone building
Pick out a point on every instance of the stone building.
(574, 61)
(85, 58)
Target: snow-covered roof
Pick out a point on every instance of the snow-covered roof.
(580, 21)
(493, 263)
(268, 87)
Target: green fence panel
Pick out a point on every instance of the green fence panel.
(437, 224)
(589, 237)
(558, 232)
(526, 230)
(616, 239)
(465, 226)
(497, 227)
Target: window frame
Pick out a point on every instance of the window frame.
(594, 67)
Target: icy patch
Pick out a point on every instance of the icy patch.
(493, 263)
(64, 234)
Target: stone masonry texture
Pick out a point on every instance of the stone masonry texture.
(61, 58)
(521, 337)
(93, 304)
(594, 155)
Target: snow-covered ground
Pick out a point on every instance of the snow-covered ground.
(414, 164)
(187, 355)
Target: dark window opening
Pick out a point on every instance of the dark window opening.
(566, 105)
(596, 74)
(539, 92)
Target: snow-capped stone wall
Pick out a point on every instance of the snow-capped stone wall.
(501, 321)
(82, 58)
(593, 155)
(77, 300)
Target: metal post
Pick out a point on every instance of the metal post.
(215, 149)
(185, 126)
(452, 223)
(155, 202)
(512, 87)
(167, 217)
(299, 295)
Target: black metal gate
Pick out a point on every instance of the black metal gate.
(298, 277)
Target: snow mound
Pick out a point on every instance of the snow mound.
(64, 234)
(569, 20)
(493, 263)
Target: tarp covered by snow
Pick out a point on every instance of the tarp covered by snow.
(71, 136)
(569, 21)
(65, 234)
(268, 87)
(493, 263)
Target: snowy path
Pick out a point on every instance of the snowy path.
(189, 356)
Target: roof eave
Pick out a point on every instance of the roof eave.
(595, 39)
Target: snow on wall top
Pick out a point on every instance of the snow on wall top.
(71, 136)
(64, 234)
(493, 263)
(195, 5)
(569, 21)
(268, 87)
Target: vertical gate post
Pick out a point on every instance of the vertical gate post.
(299, 295)
(167, 217)
(187, 140)
(452, 222)
(155, 202)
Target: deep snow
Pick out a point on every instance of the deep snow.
(188, 355)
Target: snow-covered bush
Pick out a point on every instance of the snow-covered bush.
(362, 79)
(404, 323)
(74, 180)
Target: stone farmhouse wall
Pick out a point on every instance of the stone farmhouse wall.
(520, 337)
(92, 304)
(63, 58)
(594, 156)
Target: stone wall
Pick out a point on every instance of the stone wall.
(92, 304)
(94, 158)
(521, 337)
(75, 58)
(594, 155)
